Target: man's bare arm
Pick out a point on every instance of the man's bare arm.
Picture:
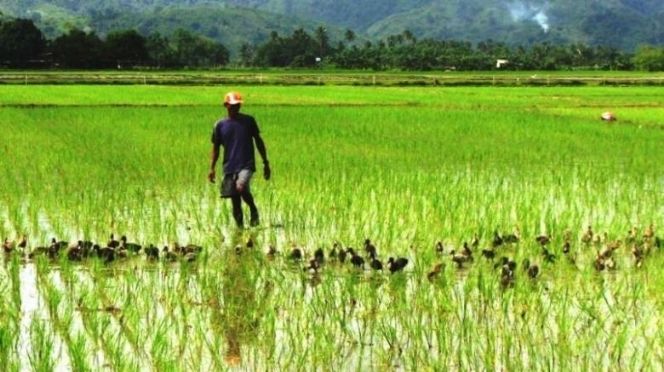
(260, 145)
(214, 157)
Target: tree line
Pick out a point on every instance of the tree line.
(23, 45)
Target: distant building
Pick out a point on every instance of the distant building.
(501, 62)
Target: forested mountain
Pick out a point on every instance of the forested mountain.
(620, 23)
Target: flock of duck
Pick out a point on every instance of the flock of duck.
(109, 252)
(640, 247)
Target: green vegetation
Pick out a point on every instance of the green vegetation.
(621, 24)
(405, 167)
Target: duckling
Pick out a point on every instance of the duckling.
(497, 240)
(355, 259)
(435, 271)
(319, 256)
(543, 240)
(588, 235)
(370, 248)
(489, 253)
(24, 242)
(507, 275)
(296, 254)
(132, 247)
(376, 264)
(169, 255)
(113, 243)
(152, 253)
(397, 265)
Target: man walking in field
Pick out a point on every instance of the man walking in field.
(237, 133)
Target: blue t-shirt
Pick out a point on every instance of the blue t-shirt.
(237, 137)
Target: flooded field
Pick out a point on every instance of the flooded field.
(532, 230)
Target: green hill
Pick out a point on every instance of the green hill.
(620, 23)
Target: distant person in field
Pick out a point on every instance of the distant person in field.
(237, 133)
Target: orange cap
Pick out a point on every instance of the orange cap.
(232, 98)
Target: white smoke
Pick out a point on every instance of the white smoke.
(521, 11)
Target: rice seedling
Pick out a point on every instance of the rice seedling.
(506, 179)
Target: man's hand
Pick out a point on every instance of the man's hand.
(267, 173)
(212, 175)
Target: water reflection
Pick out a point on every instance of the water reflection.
(239, 312)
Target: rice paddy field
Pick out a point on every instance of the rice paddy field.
(514, 172)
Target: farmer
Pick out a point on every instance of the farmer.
(237, 133)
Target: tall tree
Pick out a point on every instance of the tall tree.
(20, 42)
(78, 49)
(126, 48)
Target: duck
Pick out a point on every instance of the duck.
(533, 271)
(489, 253)
(355, 259)
(319, 256)
(169, 255)
(75, 253)
(334, 252)
(107, 254)
(112, 243)
(152, 252)
(497, 240)
(8, 246)
(466, 250)
(588, 235)
(638, 254)
(475, 242)
(599, 263)
(370, 248)
(502, 262)
(397, 265)
(543, 239)
(375, 264)
(342, 255)
(440, 249)
(314, 265)
(514, 237)
(132, 247)
(632, 235)
(296, 254)
(435, 271)
(548, 256)
(649, 232)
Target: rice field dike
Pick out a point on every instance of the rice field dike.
(404, 228)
